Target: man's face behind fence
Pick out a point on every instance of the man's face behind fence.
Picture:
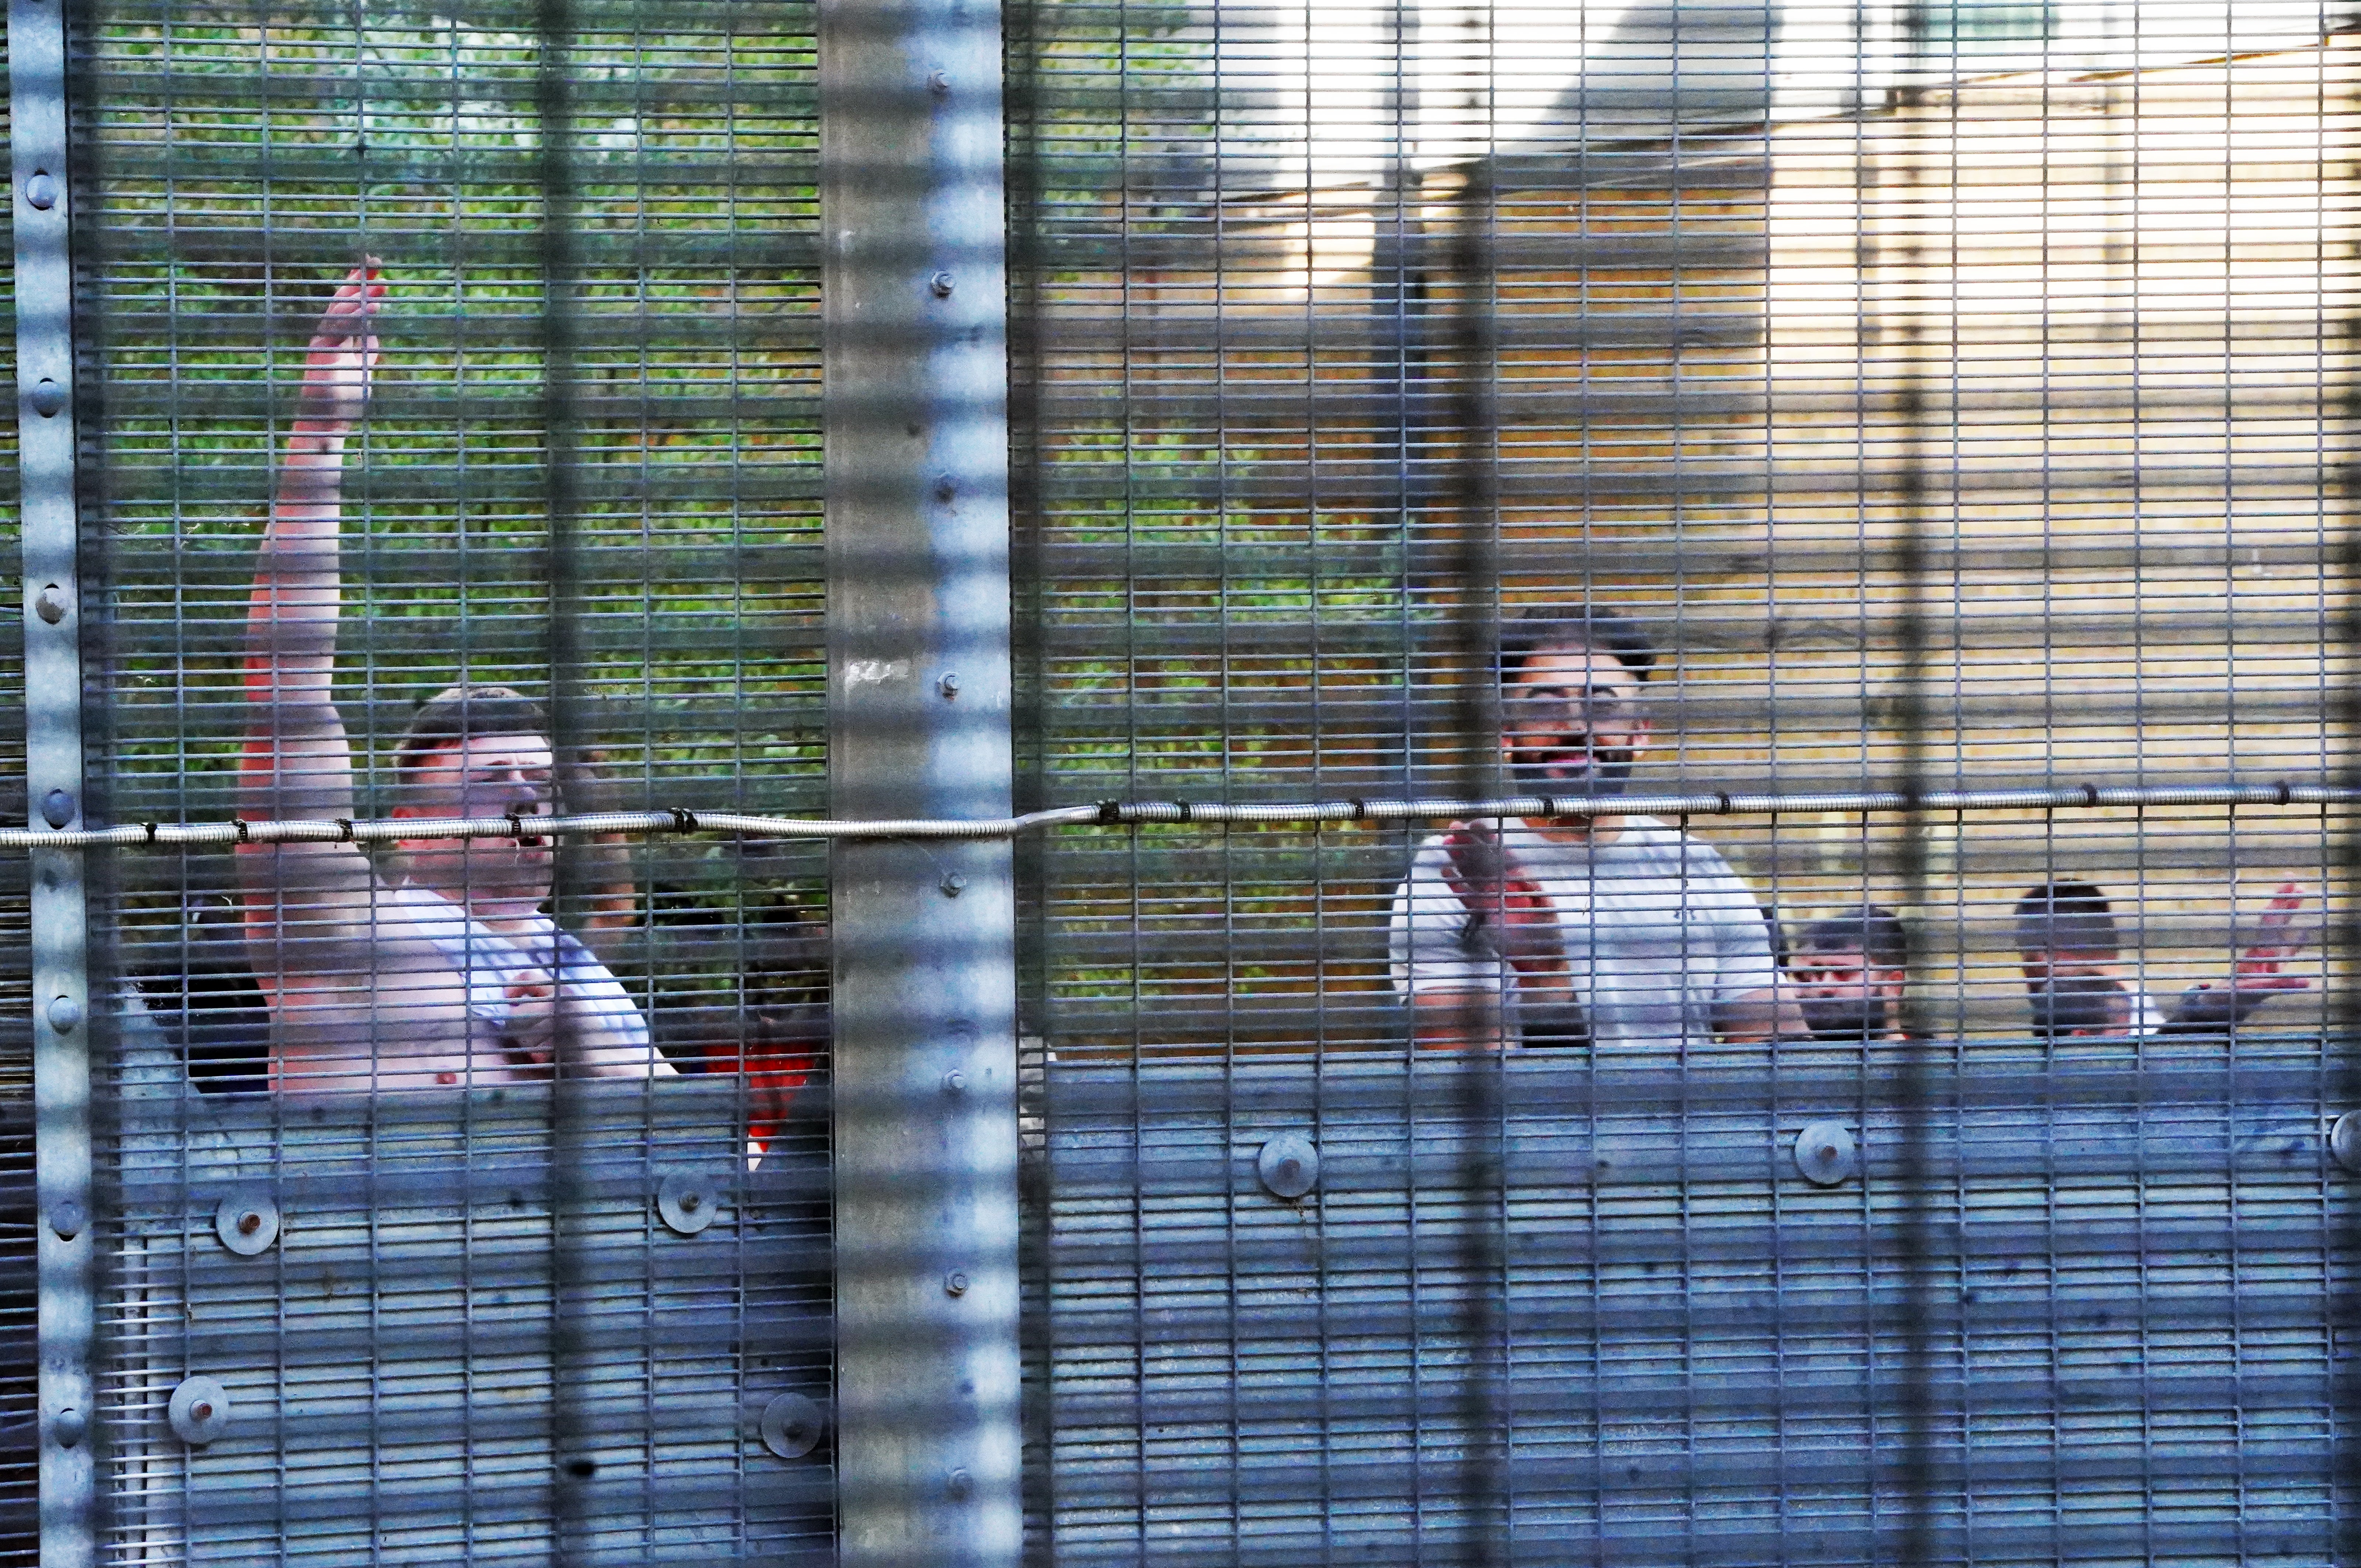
(1845, 996)
(483, 776)
(1573, 722)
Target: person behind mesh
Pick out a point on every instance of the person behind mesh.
(1613, 931)
(2074, 971)
(440, 969)
(1850, 973)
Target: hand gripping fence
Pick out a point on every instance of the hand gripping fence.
(1117, 813)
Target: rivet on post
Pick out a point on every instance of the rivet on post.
(41, 191)
(50, 604)
(69, 1427)
(941, 284)
(2344, 1141)
(954, 885)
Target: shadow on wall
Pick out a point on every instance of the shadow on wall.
(1669, 67)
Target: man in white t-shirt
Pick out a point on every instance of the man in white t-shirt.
(1617, 932)
(439, 969)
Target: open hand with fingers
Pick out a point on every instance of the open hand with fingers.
(2276, 943)
(1509, 915)
(2258, 972)
(344, 354)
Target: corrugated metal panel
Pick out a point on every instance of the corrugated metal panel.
(466, 1343)
(1695, 1353)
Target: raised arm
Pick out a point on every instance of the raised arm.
(2255, 978)
(298, 762)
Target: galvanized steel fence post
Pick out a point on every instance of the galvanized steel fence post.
(64, 1251)
(914, 288)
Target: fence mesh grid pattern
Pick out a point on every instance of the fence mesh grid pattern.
(649, 576)
(1947, 395)
(1955, 395)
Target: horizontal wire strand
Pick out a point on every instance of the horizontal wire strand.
(1117, 813)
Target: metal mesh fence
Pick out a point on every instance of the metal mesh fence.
(587, 475)
(1946, 397)
(1749, 440)
(19, 1473)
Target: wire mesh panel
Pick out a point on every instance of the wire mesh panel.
(18, 1476)
(458, 372)
(1732, 405)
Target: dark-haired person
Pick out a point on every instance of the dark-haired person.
(2075, 978)
(439, 969)
(1850, 973)
(1615, 931)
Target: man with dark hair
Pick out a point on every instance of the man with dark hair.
(1850, 972)
(442, 968)
(2072, 958)
(1615, 931)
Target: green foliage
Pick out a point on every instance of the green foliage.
(246, 157)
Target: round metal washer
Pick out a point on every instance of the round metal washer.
(1825, 1154)
(2344, 1141)
(199, 1411)
(687, 1202)
(1288, 1165)
(247, 1221)
(793, 1425)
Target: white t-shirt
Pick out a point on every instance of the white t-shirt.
(491, 961)
(1659, 931)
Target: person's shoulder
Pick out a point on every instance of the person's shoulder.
(1653, 839)
(417, 904)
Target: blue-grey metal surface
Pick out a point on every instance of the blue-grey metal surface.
(2129, 1355)
(50, 528)
(390, 1368)
(915, 372)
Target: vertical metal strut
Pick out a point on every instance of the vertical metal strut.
(914, 287)
(64, 1251)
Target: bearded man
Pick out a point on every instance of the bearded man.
(1615, 931)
